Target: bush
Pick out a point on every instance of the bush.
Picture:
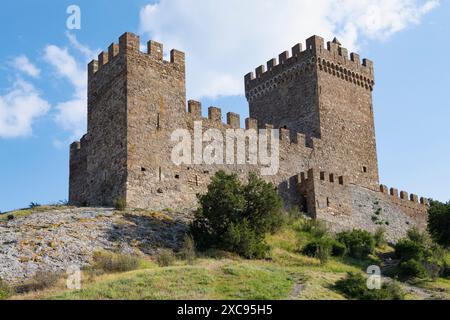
(243, 240)
(187, 251)
(412, 269)
(359, 243)
(322, 246)
(237, 217)
(407, 249)
(165, 258)
(446, 271)
(420, 257)
(354, 286)
(114, 262)
(316, 228)
(439, 222)
(34, 205)
(380, 237)
(10, 217)
(120, 204)
(40, 281)
(338, 249)
(5, 290)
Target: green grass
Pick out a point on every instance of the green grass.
(29, 211)
(286, 274)
(226, 280)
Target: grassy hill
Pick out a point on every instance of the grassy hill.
(287, 274)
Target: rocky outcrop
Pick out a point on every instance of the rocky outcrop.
(61, 237)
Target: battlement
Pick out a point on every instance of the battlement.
(233, 121)
(323, 176)
(130, 43)
(333, 59)
(403, 196)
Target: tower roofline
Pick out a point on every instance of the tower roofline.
(332, 58)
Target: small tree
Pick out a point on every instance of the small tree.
(439, 222)
(359, 243)
(236, 217)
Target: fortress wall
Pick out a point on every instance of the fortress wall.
(326, 194)
(370, 210)
(78, 172)
(318, 99)
(178, 186)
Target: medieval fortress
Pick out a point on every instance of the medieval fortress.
(317, 97)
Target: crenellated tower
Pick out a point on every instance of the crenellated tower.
(326, 94)
(135, 100)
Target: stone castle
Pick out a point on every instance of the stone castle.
(319, 98)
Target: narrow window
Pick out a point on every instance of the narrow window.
(322, 176)
(328, 202)
(177, 176)
(158, 119)
(160, 174)
(365, 169)
(143, 169)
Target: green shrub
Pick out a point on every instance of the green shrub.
(420, 257)
(34, 205)
(40, 281)
(446, 271)
(236, 217)
(188, 252)
(415, 235)
(114, 262)
(412, 269)
(120, 204)
(165, 258)
(439, 222)
(316, 228)
(243, 240)
(338, 249)
(407, 249)
(359, 243)
(380, 237)
(323, 248)
(10, 217)
(5, 290)
(354, 286)
(317, 248)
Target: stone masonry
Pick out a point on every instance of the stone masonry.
(319, 98)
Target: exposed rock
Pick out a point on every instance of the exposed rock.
(54, 240)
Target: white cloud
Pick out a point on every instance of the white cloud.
(66, 67)
(88, 53)
(23, 64)
(71, 114)
(225, 39)
(19, 108)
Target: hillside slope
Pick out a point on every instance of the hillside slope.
(79, 232)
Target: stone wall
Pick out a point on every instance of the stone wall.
(324, 94)
(318, 99)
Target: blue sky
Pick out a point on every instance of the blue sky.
(42, 75)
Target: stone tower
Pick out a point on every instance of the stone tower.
(326, 95)
(135, 100)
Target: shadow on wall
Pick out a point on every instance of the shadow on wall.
(149, 232)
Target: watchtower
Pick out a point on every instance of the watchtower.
(325, 94)
(135, 100)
